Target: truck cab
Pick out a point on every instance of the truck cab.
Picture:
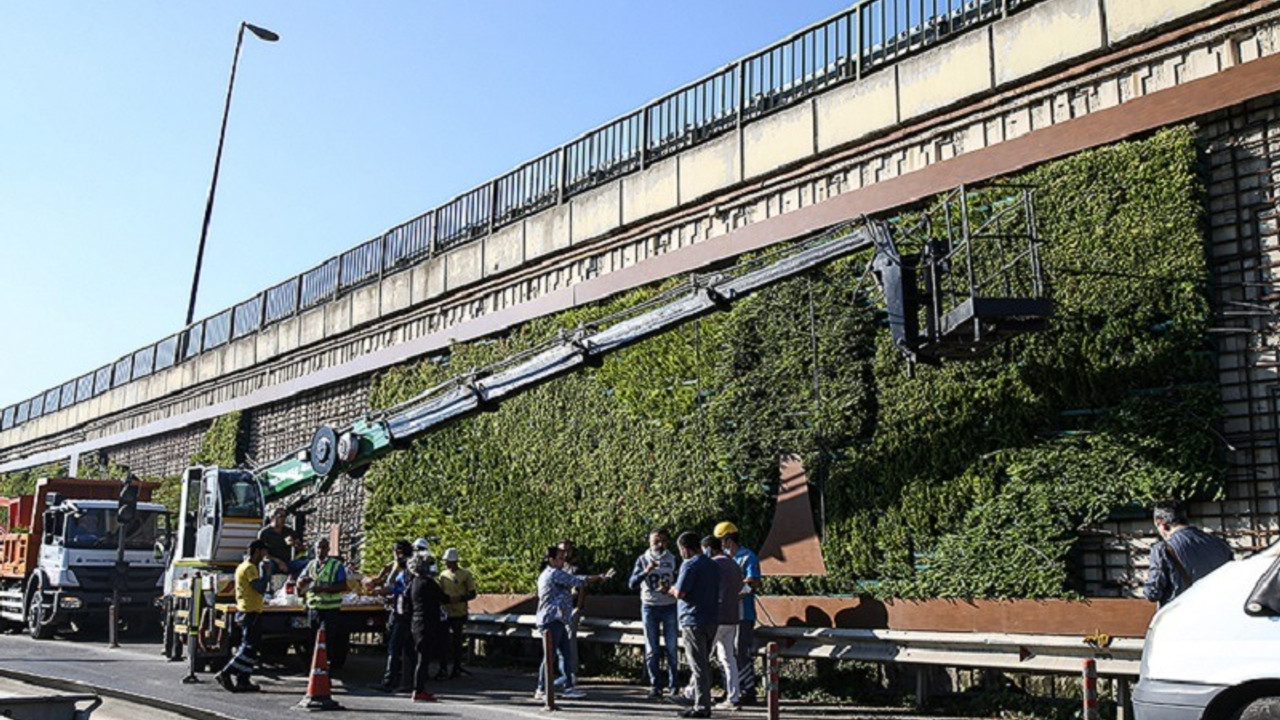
(1211, 653)
(77, 561)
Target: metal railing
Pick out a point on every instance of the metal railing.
(1049, 654)
(869, 36)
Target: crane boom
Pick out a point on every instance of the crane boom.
(351, 449)
(972, 290)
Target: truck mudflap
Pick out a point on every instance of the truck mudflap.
(1160, 700)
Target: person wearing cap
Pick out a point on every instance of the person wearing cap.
(750, 564)
(324, 580)
(653, 575)
(252, 578)
(459, 588)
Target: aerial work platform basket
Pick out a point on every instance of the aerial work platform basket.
(973, 279)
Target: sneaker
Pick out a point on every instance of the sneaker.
(572, 693)
(679, 699)
(692, 713)
(247, 686)
(224, 680)
(423, 697)
(383, 687)
(539, 695)
(728, 705)
(655, 694)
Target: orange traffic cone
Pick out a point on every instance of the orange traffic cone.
(319, 696)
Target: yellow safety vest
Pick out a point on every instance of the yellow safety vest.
(325, 573)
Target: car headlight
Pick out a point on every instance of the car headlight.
(68, 602)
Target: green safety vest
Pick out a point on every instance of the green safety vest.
(325, 573)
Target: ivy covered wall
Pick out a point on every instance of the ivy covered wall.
(968, 479)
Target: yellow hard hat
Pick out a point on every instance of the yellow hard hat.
(724, 528)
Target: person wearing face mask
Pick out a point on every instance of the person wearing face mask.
(400, 649)
(654, 574)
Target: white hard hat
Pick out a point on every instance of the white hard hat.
(451, 555)
(420, 544)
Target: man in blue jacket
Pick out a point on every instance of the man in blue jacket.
(1183, 555)
(653, 576)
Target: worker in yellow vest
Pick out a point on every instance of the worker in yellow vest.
(324, 581)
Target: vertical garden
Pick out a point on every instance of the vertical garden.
(965, 479)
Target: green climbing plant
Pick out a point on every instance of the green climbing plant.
(966, 479)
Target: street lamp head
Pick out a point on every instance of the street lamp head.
(262, 33)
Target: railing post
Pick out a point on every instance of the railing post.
(773, 663)
(644, 136)
(493, 204)
(262, 310)
(1090, 682)
(563, 179)
(549, 671)
(855, 42)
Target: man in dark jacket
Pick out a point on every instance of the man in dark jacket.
(1183, 555)
(424, 601)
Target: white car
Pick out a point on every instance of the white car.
(1214, 652)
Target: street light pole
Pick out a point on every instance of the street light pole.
(267, 36)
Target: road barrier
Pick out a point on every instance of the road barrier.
(1037, 654)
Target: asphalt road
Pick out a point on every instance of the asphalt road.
(137, 673)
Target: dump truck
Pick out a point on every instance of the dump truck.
(59, 565)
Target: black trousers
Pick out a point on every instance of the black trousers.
(427, 642)
(456, 641)
(337, 639)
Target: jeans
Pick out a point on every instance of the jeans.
(245, 660)
(400, 652)
(698, 640)
(559, 646)
(569, 660)
(660, 633)
(747, 657)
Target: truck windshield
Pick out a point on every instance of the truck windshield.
(96, 528)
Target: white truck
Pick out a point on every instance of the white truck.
(59, 557)
(1213, 653)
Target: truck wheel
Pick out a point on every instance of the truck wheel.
(38, 626)
(1263, 708)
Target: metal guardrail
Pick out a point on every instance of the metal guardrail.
(869, 36)
(1048, 654)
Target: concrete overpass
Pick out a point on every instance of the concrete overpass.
(867, 111)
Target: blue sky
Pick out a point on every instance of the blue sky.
(364, 115)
